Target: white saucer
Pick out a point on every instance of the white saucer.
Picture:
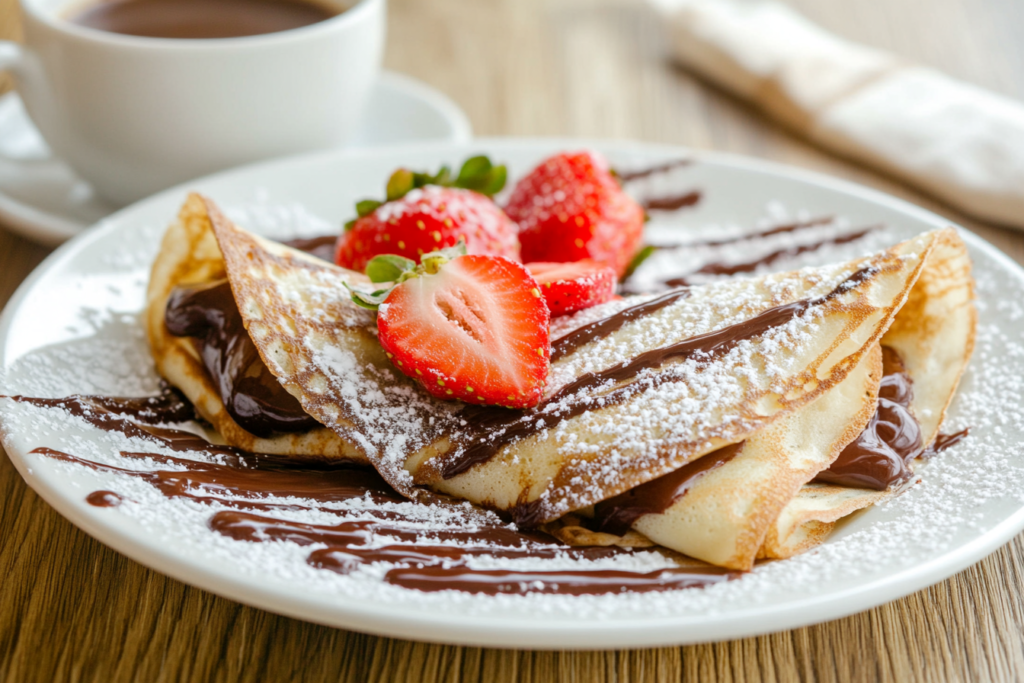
(42, 199)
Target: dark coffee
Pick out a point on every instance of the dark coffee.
(200, 18)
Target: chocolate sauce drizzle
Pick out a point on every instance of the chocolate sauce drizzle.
(490, 428)
(244, 483)
(746, 237)
(599, 329)
(104, 499)
(944, 441)
(880, 457)
(672, 202)
(722, 269)
(252, 396)
(617, 515)
(657, 169)
(562, 582)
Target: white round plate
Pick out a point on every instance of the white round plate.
(42, 198)
(73, 327)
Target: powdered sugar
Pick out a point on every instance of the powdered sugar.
(964, 492)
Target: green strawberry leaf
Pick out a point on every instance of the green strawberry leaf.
(388, 267)
(399, 184)
(366, 207)
(480, 175)
(496, 182)
(370, 300)
(640, 257)
(477, 174)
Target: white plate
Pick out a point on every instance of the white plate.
(73, 327)
(42, 198)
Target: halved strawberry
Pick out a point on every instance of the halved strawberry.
(423, 213)
(569, 287)
(570, 208)
(473, 328)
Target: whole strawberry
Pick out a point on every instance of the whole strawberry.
(469, 327)
(424, 213)
(571, 208)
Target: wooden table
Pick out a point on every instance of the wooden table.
(71, 609)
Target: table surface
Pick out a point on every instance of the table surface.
(72, 609)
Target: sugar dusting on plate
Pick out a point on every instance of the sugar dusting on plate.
(110, 356)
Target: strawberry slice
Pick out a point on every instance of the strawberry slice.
(569, 287)
(472, 328)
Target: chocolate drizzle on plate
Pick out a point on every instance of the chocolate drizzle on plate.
(252, 396)
(104, 499)
(562, 582)
(252, 487)
(672, 202)
(725, 269)
(751, 266)
(647, 171)
(760, 234)
(244, 484)
(944, 441)
(490, 428)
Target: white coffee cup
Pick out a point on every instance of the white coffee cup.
(135, 115)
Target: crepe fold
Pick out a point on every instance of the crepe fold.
(783, 368)
(758, 504)
(189, 255)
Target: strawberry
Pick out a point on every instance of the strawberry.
(571, 208)
(424, 213)
(467, 327)
(569, 287)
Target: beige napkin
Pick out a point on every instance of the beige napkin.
(961, 143)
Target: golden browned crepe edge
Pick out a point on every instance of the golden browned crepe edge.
(925, 331)
(189, 254)
(805, 524)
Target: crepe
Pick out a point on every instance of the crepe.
(757, 504)
(784, 368)
(189, 255)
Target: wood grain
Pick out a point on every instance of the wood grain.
(71, 609)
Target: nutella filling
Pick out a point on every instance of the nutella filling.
(616, 515)
(322, 247)
(253, 397)
(880, 457)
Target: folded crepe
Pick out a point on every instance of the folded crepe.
(757, 503)
(780, 371)
(189, 257)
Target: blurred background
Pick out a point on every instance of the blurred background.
(602, 68)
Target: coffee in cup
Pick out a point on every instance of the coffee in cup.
(136, 114)
(195, 19)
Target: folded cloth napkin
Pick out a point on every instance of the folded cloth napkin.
(961, 143)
